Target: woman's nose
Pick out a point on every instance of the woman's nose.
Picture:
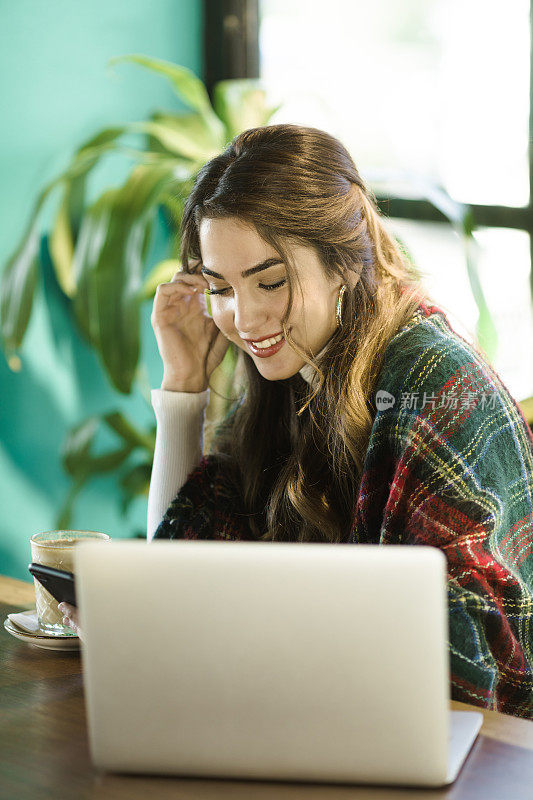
(249, 315)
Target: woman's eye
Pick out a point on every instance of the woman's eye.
(268, 286)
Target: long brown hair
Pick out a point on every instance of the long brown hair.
(294, 451)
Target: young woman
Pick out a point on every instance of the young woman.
(364, 417)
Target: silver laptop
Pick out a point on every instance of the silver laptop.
(274, 661)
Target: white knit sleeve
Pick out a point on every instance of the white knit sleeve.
(178, 447)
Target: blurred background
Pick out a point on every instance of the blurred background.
(431, 97)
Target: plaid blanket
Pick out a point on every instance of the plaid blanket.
(449, 464)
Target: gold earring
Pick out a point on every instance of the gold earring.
(338, 313)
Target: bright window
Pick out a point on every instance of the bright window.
(431, 88)
(440, 87)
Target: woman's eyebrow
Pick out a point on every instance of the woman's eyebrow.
(269, 262)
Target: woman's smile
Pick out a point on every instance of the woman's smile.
(270, 350)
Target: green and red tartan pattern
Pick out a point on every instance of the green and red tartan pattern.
(458, 478)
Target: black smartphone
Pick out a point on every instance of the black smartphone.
(58, 582)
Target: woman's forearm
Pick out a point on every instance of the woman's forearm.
(178, 447)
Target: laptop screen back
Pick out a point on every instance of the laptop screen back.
(266, 660)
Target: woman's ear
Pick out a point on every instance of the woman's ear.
(351, 279)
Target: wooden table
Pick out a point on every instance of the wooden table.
(44, 749)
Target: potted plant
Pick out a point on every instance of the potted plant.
(98, 254)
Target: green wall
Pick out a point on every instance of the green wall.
(56, 91)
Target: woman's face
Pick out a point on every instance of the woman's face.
(254, 295)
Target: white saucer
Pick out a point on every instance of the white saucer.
(42, 639)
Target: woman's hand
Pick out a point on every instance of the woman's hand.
(70, 617)
(190, 344)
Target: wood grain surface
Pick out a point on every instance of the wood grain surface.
(14, 592)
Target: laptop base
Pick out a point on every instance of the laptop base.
(464, 728)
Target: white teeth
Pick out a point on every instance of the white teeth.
(268, 342)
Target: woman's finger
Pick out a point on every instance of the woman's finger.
(177, 288)
(70, 623)
(70, 618)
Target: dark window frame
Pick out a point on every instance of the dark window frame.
(231, 50)
(231, 40)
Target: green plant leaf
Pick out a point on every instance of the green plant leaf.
(87, 156)
(135, 482)
(108, 266)
(17, 284)
(69, 214)
(82, 464)
(61, 246)
(88, 469)
(194, 127)
(161, 273)
(63, 519)
(77, 456)
(187, 86)
(76, 448)
(79, 461)
(17, 288)
(76, 203)
(462, 218)
(241, 104)
(110, 461)
(19, 277)
(158, 158)
(105, 137)
(174, 205)
(87, 253)
(186, 136)
(486, 333)
(229, 362)
(127, 431)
